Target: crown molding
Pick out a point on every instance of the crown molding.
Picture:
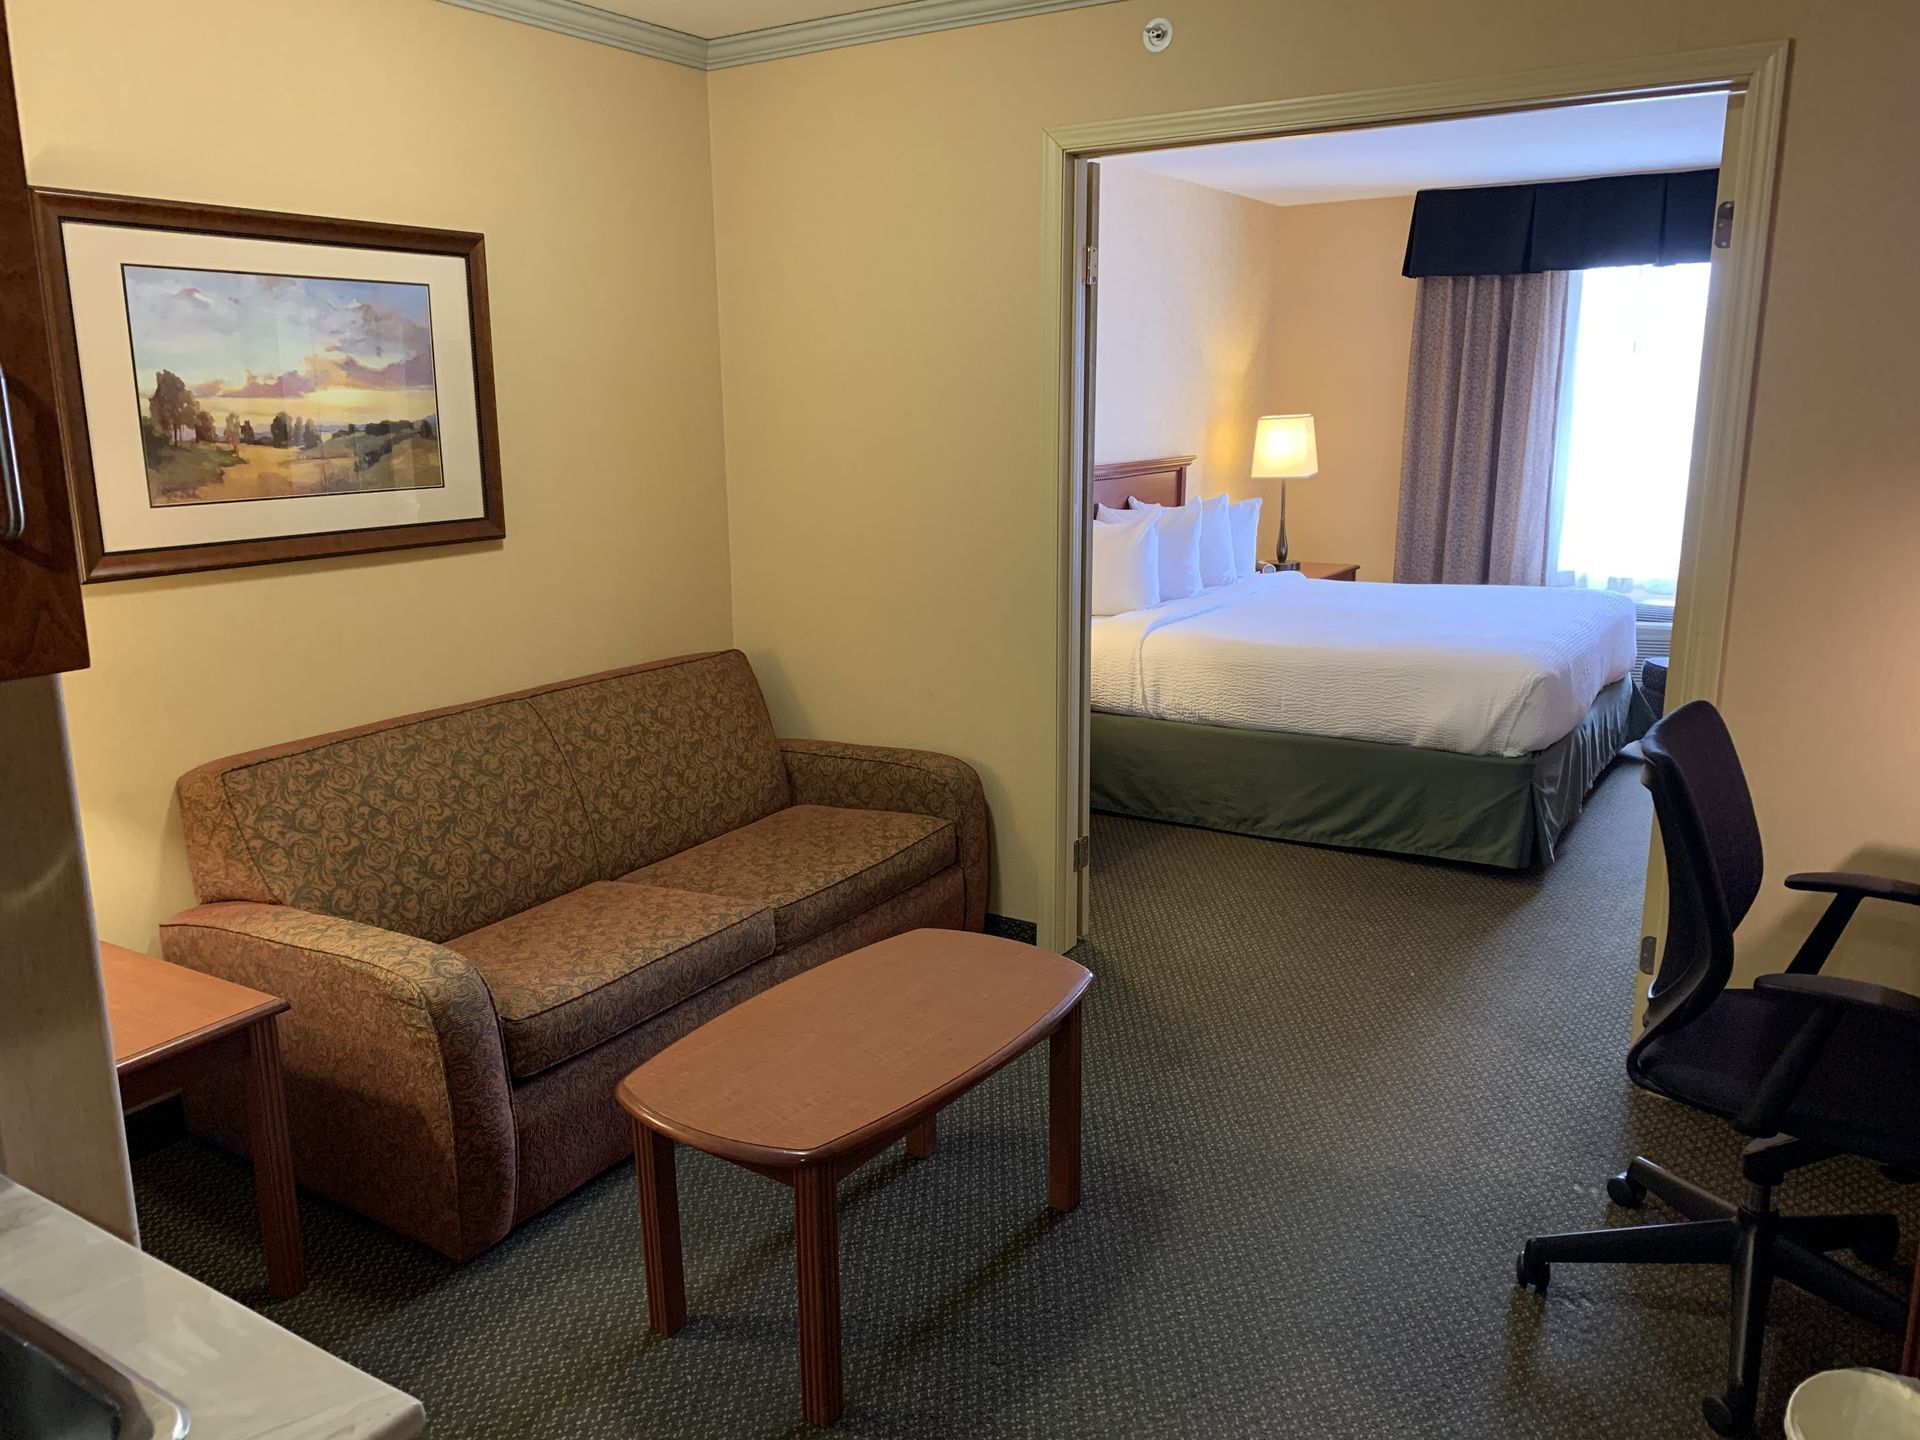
(602, 27)
(803, 37)
(863, 27)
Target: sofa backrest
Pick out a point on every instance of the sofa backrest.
(668, 755)
(437, 824)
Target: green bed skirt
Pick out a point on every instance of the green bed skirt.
(1499, 810)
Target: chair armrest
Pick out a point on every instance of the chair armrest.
(397, 1089)
(1870, 887)
(1848, 891)
(1841, 993)
(920, 782)
(1828, 999)
(1831, 998)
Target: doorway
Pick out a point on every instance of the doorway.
(1750, 77)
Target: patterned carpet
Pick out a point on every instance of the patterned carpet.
(1327, 1096)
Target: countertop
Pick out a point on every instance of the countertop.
(239, 1375)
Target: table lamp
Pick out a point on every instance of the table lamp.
(1284, 449)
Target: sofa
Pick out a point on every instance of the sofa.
(484, 916)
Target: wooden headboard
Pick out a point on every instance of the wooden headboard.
(1157, 482)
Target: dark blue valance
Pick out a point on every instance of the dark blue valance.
(1664, 219)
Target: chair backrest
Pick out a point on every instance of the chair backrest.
(1714, 863)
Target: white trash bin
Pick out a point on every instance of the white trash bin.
(1854, 1405)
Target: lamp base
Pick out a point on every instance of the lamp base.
(1280, 550)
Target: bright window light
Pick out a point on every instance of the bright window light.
(1626, 435)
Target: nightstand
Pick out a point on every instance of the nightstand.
(1328, 570)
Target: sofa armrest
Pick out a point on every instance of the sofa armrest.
(921, 782)
(397, 1090)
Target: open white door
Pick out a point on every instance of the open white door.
(1693, 676)
(1086, 342)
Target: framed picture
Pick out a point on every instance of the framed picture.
(237, 387)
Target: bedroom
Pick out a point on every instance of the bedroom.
(1314, 341)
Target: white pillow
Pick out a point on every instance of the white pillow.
(1216, 542)
(1134, 502)
(1126, 567)
(1179, 529)
(1245, 518)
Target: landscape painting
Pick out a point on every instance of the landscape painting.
(266, 386)
(247, 387)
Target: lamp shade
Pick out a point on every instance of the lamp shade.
(1284, 448)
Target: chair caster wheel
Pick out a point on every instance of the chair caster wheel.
(1626, 1192)
(1530, 1274)
(1725, 1417)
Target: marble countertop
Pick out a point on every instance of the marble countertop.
(239, 1375)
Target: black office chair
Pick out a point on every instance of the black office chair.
(1810, 1065)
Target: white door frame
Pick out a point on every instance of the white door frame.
(1758, 71)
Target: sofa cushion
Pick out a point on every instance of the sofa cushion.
(430, 825)
(579, 970)
(812, 865)
(667, 755)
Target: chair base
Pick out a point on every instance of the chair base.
(1754, 1241)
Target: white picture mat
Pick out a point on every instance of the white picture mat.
(95, 254)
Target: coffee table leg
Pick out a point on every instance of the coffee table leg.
(816, 1243)
(1063, 1114)
(272, 1152)
(660, 1230)
(924, 1138)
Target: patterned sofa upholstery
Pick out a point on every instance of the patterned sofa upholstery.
(484, 916)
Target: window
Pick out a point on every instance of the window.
(1632, 373)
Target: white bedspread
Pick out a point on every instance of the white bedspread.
(1481, 669)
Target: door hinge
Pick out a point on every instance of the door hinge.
(1082, 853)
(1722, 225)
(1090, 265)
(1647, 944)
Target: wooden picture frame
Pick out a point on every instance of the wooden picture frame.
(145, 504)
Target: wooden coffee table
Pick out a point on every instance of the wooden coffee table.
(171, 1026)
(806, 1082)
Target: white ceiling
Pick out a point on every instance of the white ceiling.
(1664, 133)
(710, 19)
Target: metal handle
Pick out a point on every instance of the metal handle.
(15, 524)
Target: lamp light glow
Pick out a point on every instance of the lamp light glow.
(1285, 448)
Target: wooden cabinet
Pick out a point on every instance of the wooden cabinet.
(42, 630)
(60, 1131)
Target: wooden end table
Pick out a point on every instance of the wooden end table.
(172, 1026)
(1329, 570)
(809, 1080)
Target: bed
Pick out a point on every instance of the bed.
(1461, 722)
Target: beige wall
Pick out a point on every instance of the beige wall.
(1189, 325)
(587, 169)
(889, 501)
(888, 364)
(1216, 309)
(1347, 315)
